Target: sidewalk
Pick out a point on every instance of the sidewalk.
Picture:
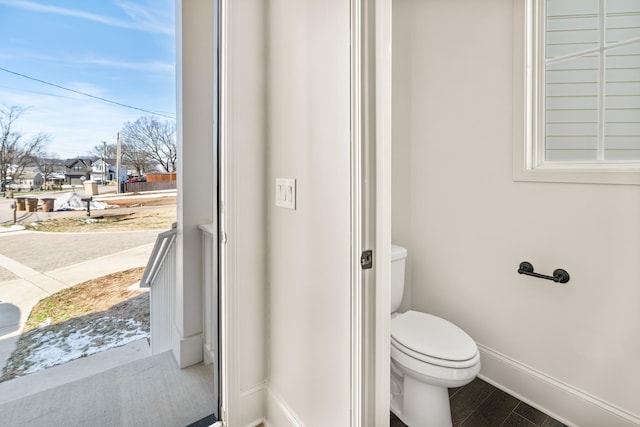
(75, 370)
(19, 296)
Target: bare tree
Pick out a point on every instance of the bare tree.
(136, 157)
(48, 164)
(103, 151)
(130, 155)
(15, 151)
(150, 140)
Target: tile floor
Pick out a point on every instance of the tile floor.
(479, 404)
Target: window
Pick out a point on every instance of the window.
(577, 97)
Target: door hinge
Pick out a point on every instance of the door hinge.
(366, 259)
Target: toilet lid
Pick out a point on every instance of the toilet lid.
(432, 336)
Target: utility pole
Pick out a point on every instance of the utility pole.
(118, 161)
(104, 162)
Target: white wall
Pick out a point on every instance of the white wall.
(309, 140)
(196, 168)
(401, 134)
(467, 225)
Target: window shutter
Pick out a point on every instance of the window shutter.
(592, 80)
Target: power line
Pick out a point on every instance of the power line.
(38, 92)
(86, 94)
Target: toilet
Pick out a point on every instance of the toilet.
(428, 355)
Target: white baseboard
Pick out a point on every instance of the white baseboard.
(187, 351)
(209, 355)
(562, 401)
(279, 414)
(252, 402)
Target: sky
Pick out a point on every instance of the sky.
(121, 51)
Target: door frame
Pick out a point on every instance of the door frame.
(371, 210)
(229, 368)
(370, 216)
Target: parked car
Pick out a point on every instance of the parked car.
(137, 179)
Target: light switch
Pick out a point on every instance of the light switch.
(286, 193)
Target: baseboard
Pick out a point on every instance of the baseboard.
(562, 401)
(209, 355)
(187, 351)
(252, 402)
(279, 414)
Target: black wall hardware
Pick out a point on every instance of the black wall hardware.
(559, 275)
(366, 260)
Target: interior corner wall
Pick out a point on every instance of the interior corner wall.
(401, 135)
(195, 143)
(309, 247)
(470, 225)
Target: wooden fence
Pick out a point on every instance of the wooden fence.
(137, 187)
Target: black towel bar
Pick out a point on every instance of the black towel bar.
(559, 275)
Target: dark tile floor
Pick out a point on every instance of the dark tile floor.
(479, 404)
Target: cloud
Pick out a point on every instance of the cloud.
(86, 87)
(75, 123)
(158, 67)
(143, 20)
(150, 66)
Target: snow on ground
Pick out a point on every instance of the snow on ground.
(53, 347)
(73, 202)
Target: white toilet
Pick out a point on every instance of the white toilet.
(428, 355)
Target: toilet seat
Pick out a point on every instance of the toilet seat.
(433, 340)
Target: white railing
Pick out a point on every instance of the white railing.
(160, 276)
(209, 294)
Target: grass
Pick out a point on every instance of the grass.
(128, 219)
(101, 308)
(85, 298)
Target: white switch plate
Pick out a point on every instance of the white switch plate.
(286, 193)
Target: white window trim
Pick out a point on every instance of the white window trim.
(527, 84)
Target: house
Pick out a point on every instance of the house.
(77, 170)
(55, 180)
(100, 172)
(29, 179)
(432, 91)
(103, 171)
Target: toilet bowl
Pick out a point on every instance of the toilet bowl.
(428, 355)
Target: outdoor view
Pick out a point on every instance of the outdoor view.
(87, 176)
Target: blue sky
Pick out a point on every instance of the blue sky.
(123, 51)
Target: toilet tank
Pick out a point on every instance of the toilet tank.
(398, 262)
